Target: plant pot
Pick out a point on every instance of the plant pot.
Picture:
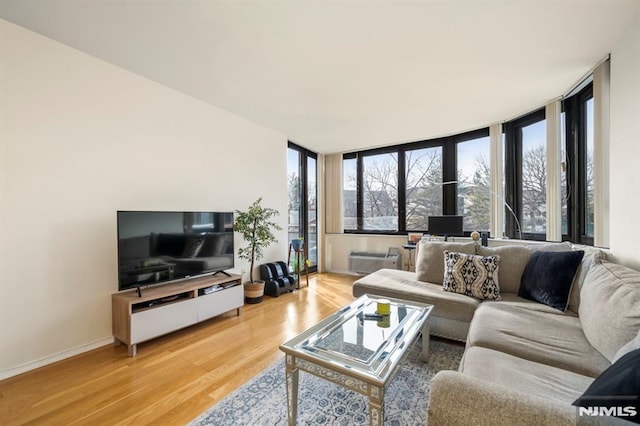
(253, 292)
(296, 244)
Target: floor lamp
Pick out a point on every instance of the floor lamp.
(498, 196)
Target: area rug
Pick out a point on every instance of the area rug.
(263, 400)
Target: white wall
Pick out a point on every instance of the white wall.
(80, 139)
(339, 246)
(625, 148)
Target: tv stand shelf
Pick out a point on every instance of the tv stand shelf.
(166, 308)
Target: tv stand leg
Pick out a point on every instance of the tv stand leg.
(133, 350)
(239, 310)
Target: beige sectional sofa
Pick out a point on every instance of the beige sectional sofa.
(524, 362)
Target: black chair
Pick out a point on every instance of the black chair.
(277, 278)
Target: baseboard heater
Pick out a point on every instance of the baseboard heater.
(362, 262)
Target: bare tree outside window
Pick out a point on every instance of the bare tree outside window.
(564, 188)
(380, 192)
(349, 194)
(534, 178)
(589, 208)
(423, 186)
(293, 192)
(474, 184)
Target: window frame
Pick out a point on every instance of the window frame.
(303, 176)
(576, 171)
(513, 174)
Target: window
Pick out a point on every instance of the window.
(526, 176)
(350, 194)
(395, 189)
(589, 182)
(564, 186)
(534, 178)
(579, 169)
(380, 192)
(301, 176)
(474, 184)
(423, 189)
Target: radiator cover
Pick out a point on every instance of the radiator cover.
(367, 262)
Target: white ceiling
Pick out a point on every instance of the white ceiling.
(340, 75)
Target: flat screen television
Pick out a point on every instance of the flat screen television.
(159, 247)
(447, 226)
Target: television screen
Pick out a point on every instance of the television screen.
(159, 247)
(445, 225)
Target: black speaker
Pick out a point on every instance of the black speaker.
(484, 239)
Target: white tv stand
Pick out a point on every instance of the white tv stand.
(166, 308)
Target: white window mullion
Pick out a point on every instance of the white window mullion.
(554, 196)
(601, 82)
(497, 187)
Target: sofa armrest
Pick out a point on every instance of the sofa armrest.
(456, 399)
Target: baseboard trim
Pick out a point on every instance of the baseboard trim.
(5, 374)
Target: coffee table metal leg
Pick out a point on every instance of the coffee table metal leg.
(425, 341)
(292, 373)
(376, 406)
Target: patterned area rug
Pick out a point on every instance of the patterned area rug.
(263, 400)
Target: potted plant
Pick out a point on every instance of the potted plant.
(256, 228)
(296, 243)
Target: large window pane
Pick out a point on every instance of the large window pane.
(534, 178)
(380, 192)
(349, 194)
(563, 175)
(423, 186)
(312, 213)
(589, 208)
(301, 173)
(579, 143)
(294, 188)
(474, 184)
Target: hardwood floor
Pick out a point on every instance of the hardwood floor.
(173, 378)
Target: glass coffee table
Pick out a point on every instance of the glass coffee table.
(357, 349)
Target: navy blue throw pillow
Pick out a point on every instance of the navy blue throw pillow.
(616, 391)
(548, 276)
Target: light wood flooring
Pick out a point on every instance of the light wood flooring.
(174, 378)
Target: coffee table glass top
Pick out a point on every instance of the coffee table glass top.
(352, 339)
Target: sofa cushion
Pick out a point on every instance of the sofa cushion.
(548, 277)
(473, 275)
(628, 347)
(609, 302)
(430, 258)
(456, 399)
(617, 386)
(591, 254)
(403, 285)
(537, 333)
(523, 375)
(513, 259)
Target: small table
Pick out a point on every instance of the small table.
(410, 248)
(356, 352)
(298, 254)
